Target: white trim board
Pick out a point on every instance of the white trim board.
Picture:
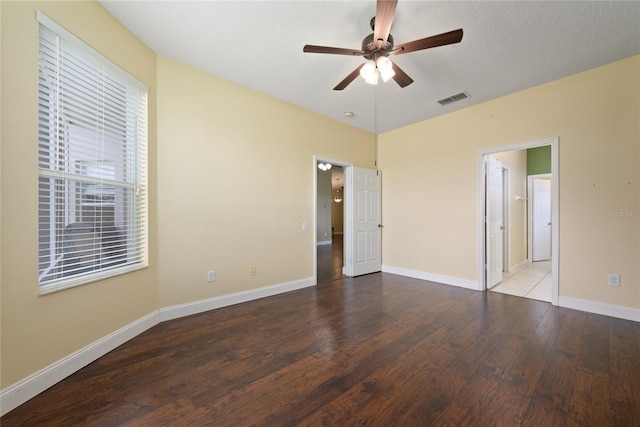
(27, 388)
(519, 266)
(432, 277)
(618, 311)
(200, 306)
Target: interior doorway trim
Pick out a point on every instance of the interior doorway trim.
(555, 209)
(506, 218)
(348, 225)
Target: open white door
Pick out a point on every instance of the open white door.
(364, 213)
(541, 219)
(494, 223)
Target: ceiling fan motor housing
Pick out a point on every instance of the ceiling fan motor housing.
(372, 51)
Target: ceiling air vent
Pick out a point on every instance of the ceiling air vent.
(453, 98)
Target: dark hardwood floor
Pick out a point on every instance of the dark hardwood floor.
(375, 350)
(330, 260)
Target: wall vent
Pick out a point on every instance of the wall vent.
(453, 98)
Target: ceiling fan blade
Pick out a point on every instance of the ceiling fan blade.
(434, 41)
(401, 77)
(384, 16)
(351, 77)
(332, 50)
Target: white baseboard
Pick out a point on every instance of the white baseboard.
(518, 266)
(620, 312)
(200, 306)
(324, 242)
(447, 280)
(18, 393)
(611, 310)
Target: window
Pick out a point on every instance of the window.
(92, 156)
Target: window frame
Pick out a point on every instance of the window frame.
(132, 246)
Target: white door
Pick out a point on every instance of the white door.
(365, 214)
(494, 223)
(541, 219)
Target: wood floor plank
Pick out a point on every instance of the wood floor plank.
(396, 363)
(590, 399)
(442, 384)
(550, 402)
(375, 350)
(478, 396)
(509, 406)
(624, 373)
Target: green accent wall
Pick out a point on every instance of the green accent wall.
(539, 160)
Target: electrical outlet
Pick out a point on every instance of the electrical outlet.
(403, 254)
(614, 279)
(252, 270)
(211, 276)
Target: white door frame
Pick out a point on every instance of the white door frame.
(530, 179)
(506, 219)
(555, 208)
(348, 207)
(494, 212)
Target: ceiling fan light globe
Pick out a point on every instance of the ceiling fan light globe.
(387, 74)
(385, 66)
(372, 80)
(369, 73)
(383, 63)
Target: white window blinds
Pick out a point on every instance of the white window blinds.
(92, 157)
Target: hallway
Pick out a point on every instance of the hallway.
(330, 260)
(532, 281)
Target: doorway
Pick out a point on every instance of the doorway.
(506, 264)
(330, 223)
(361, 200)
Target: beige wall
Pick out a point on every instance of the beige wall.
(39, 330)
(516, 160)
(235, 183)
(430, 207)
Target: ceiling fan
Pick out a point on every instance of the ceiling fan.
(376, 48)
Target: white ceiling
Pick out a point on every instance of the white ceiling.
(507, 46)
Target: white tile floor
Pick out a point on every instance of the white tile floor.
(532, 281)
